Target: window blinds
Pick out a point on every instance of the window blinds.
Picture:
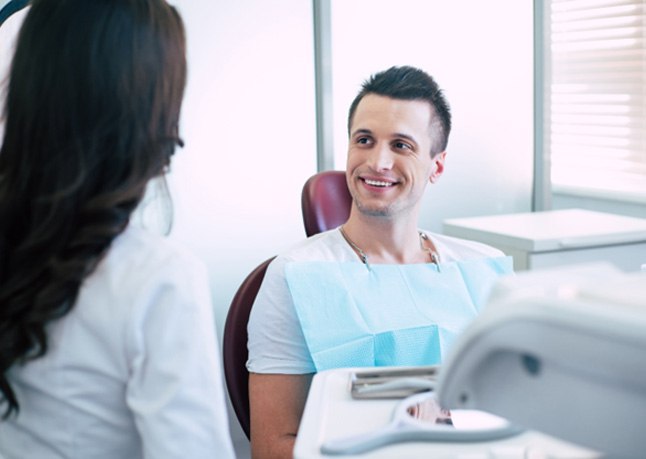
(596, 98)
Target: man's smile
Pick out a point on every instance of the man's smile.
(378, 183)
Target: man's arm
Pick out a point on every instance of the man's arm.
(276, 403)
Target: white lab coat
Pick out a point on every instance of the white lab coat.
(133, 371)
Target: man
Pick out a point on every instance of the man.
(332, 300)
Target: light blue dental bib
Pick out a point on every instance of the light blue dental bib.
(387, 315)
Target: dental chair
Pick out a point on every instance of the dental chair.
(325, 202)
(234, 344)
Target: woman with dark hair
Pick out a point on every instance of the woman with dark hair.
(107, 343)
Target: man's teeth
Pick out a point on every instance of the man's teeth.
(378, 183)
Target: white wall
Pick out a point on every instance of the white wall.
(248, 123)
(630, 209)
(249, 127)
(481, 54)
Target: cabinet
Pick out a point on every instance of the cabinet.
(559, 237)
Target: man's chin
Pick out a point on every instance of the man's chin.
(375, 211)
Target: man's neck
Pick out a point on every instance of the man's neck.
(386, 240)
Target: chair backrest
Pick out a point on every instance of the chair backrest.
(234, 344)
(325, 202)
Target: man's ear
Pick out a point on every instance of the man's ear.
(438, 167)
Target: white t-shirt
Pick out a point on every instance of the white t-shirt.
(132, 371)
(276, 342)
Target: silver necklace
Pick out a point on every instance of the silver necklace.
(362, 254)
(364, 257)
(435, 258)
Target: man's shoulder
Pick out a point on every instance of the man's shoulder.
(455, 249)
(326, 246)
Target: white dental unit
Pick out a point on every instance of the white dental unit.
(559, 354)
(560, 351)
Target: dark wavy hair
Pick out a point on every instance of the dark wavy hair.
(92, 110)
(410, 83)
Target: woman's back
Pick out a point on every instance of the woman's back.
(107, 340)
(133, 362)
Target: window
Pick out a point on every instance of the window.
(595, 102)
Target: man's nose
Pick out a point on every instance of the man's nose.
(382, 157)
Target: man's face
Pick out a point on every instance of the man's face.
(389, 155)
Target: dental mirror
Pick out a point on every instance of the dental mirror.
(420, 418)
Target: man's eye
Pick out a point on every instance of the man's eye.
(402, 146)
(363, 140)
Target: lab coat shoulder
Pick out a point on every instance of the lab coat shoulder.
(174, 387)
